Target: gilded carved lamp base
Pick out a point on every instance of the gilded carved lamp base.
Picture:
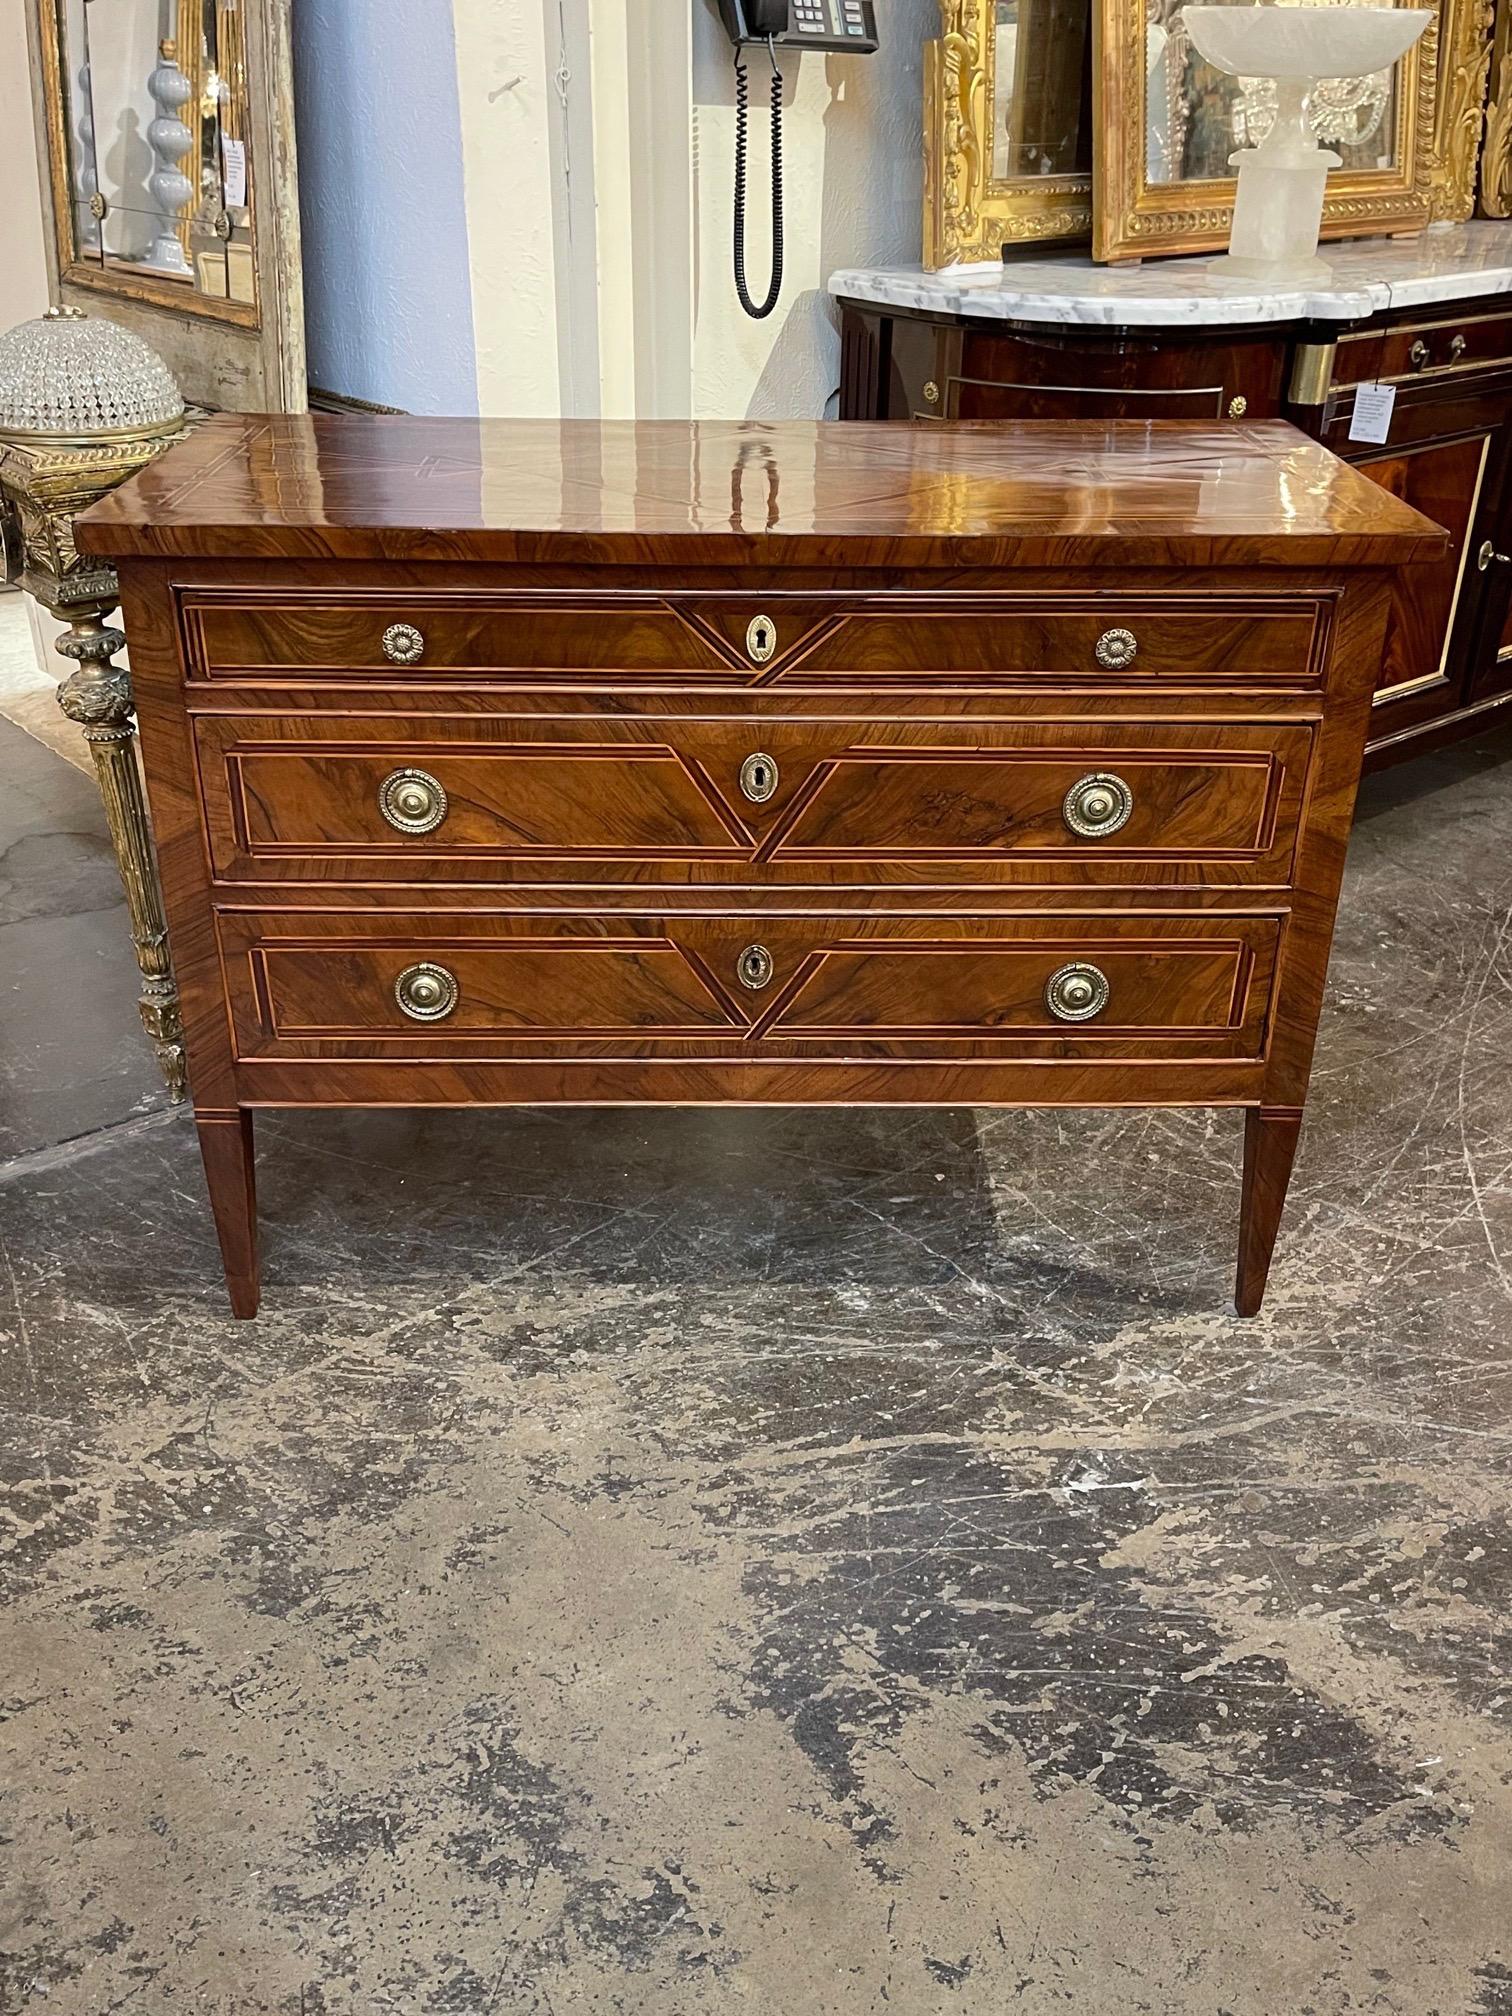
(83, 405)
(98, 697)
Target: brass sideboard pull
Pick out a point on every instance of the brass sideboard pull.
(412, 800)
(1097, 804)
(1417, 356)
(1486, 552)
(1116, 648)
(761, 638)
(1457, 347)
(426, 992)
(1077, 992)
(754, 967)
(403, 644)
(758, 777)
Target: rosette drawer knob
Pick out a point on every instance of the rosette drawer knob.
(403, 644)
(1115, 649)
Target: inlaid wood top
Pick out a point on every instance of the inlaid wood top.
(675, 493)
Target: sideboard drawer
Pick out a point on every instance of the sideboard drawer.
(516, 798)
(761, 639)
(763, 985)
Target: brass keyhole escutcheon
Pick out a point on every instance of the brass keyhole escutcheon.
(426, 992)
(1097, 805)
(758, 777)
(412, 801)
(754, 967)
(403, 644)
(1116, 648)
(761, 639)
(1077, 992)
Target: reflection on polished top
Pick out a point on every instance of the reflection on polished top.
(680, 493)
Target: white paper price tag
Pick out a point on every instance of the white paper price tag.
(1371, 419)
(234, 169)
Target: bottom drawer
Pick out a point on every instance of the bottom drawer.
(753, 987)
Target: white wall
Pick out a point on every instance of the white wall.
(595, 143)
(853, 130)
(23, 266)
(505, 67)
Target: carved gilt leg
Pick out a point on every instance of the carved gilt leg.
(98, 697)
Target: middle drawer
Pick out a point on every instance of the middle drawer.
(493, 799)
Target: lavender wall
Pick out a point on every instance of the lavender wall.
(388, 290)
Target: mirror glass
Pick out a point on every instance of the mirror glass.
(155, 127)
(1041, 114)
(1196, 116)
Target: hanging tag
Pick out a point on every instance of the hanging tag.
(234, 170)
(1371, 419)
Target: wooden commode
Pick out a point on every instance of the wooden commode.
(501, 763)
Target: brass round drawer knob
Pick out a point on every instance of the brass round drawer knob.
(1077, 992)
(758, 777)
(403, 644)
(1116, 648)
(425, 992)
(1097, 805)
(412, 801)
(754, 967)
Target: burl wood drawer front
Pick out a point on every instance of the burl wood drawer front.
(510, 800)
(754, 986)
(759, 639)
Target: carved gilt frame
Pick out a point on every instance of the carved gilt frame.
(1459, 111)
(1436, 137)
(968, 216)
(1496, 155)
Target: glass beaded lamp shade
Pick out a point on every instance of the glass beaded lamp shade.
(74, 377)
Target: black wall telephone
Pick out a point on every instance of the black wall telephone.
(846, 25)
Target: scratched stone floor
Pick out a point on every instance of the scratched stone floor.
(651, 1565)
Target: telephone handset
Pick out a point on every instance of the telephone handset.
(849, 26)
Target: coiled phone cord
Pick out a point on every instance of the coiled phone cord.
(741, 117)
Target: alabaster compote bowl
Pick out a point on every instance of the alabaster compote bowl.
(1279, 205)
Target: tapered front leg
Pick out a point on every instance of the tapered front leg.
(226, 1144)
(1270, 1146)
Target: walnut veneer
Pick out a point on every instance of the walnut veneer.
(499, 763)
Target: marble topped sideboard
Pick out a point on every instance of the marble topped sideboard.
(1371, 276)
(1057, 337)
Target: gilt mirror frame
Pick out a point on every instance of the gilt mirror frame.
(1437, 134)
(969, 215)
(234, 354)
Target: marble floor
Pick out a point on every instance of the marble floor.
(659, 1564)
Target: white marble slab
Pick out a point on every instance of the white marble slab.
(1369, 274)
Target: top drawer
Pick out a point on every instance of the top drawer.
(1444, 343)
(760, 639)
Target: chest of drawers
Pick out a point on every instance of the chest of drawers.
(509, 763)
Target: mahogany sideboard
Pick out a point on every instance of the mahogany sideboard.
(1446, 354)
(497, 763)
